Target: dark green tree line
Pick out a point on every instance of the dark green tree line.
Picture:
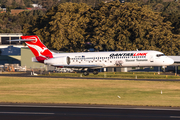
(62, 27)
(117, 26)
(15, 24)
(110, 26)
(8, 24)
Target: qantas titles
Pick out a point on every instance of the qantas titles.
(127, 54)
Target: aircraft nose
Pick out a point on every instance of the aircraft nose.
(170, 61)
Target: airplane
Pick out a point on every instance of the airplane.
(94, 60)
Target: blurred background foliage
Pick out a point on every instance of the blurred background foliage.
(77, 25)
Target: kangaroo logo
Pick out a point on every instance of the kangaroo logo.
(38, 48)
(35, 39)
(119, 63)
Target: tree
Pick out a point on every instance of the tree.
(116, 26)
(48, 3)
(174, 18)
(109, 26)
(14, 3)
(62, 27)
(8, 24)
(28, 3)
(22, 17)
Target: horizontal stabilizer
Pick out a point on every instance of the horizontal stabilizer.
(21, 40)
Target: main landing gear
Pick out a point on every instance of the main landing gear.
(95, 72)
(86, 73)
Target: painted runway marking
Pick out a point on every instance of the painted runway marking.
(30, 113)
(91, 107)
(174, 116)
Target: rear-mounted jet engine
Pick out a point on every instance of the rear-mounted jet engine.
(59, 61)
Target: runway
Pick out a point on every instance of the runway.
(86, 112)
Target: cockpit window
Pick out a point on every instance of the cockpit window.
(159, 55)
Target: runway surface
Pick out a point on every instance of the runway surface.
(78, 112)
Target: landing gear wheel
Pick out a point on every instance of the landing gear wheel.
(95, 72)
(85, 73)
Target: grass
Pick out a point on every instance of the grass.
(132, 75)
(11, 72)
(58, 90)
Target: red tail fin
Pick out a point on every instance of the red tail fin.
(37, 47)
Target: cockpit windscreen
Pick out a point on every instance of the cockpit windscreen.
(159, 55)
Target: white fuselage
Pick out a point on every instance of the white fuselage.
(112, 59)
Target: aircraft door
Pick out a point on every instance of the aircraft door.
(152, 59)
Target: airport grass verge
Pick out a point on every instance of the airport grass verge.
(83, 91)
(129, 75)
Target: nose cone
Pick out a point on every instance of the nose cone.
(170, 61)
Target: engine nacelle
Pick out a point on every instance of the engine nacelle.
(59, 61)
